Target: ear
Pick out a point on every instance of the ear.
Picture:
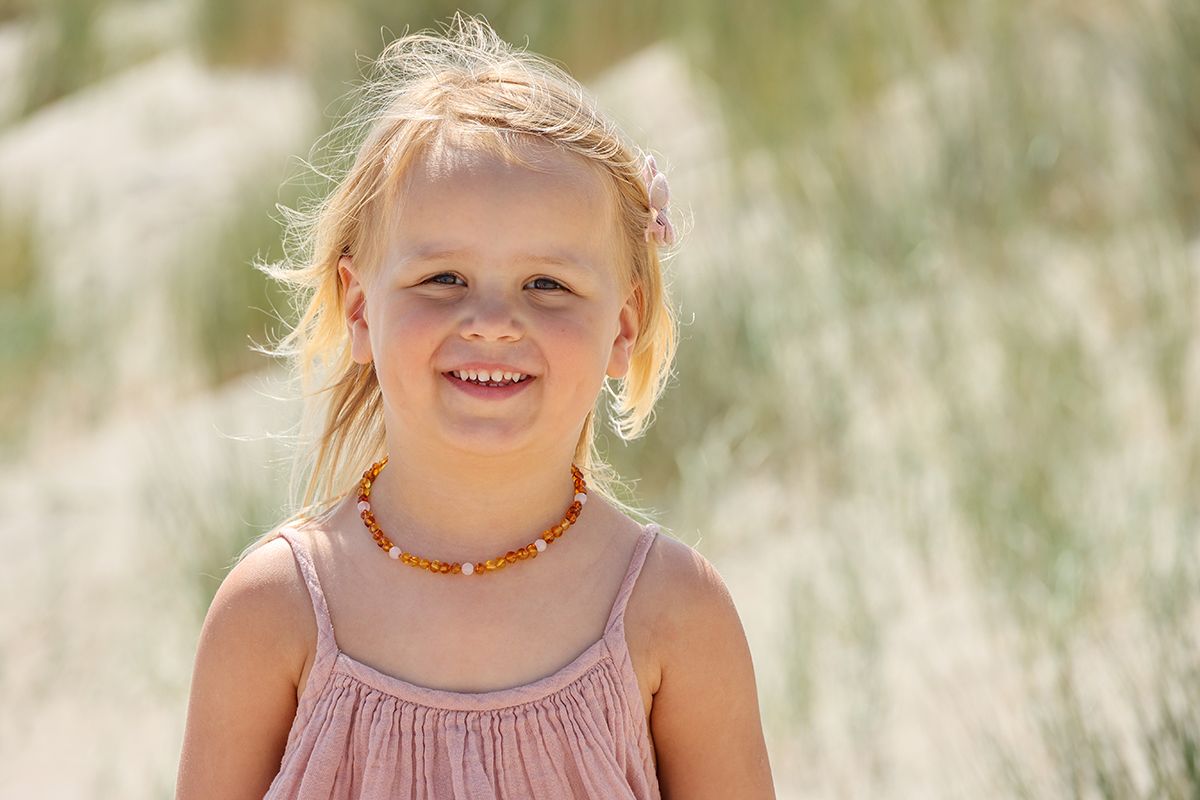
(354, 303)
(627, 331)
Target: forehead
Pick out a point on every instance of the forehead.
(470, 198)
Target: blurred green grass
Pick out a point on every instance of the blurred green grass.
(65, 56)
(224, 307)
(27, 316)
(198, 538)
(1056, 152)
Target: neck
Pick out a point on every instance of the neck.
(453, 506)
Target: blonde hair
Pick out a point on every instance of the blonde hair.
(472, 87)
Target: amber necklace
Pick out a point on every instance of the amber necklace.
(530, 550)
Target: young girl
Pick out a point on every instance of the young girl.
(463, 609)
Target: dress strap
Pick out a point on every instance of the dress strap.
(640, 550)
(326, 643)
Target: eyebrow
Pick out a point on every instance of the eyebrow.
(554, 259)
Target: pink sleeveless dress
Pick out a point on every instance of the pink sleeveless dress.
(578, 733)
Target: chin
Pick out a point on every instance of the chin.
(488, 439)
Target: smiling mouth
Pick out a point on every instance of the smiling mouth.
(494, 384)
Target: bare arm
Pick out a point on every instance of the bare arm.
(243, 694)
(705, 718)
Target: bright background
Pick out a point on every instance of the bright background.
(935, 417)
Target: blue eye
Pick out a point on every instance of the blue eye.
(550, 280)
(557, 286)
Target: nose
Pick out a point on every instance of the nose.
(491, 316)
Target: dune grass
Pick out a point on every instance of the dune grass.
(26, 326)
(1039, 234)
(65, 53)
(208, 507)
(224, 306)
(982, 273)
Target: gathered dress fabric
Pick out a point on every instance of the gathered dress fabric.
(578, 733)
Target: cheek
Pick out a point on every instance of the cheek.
(580, 347)
(576, 334)
(406, 327)
(403, 343)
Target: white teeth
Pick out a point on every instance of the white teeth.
(494, 377)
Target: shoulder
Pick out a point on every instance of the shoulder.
(689, 590)
(707, 695)
(243, 690)
(265, 596)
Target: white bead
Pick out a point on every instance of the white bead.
(468, 568)
(581, 497)
(540, 544)
(394, 552)
(363, 505)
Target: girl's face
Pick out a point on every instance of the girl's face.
(494, 265)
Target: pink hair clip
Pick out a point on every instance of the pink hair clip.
(659, 225)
